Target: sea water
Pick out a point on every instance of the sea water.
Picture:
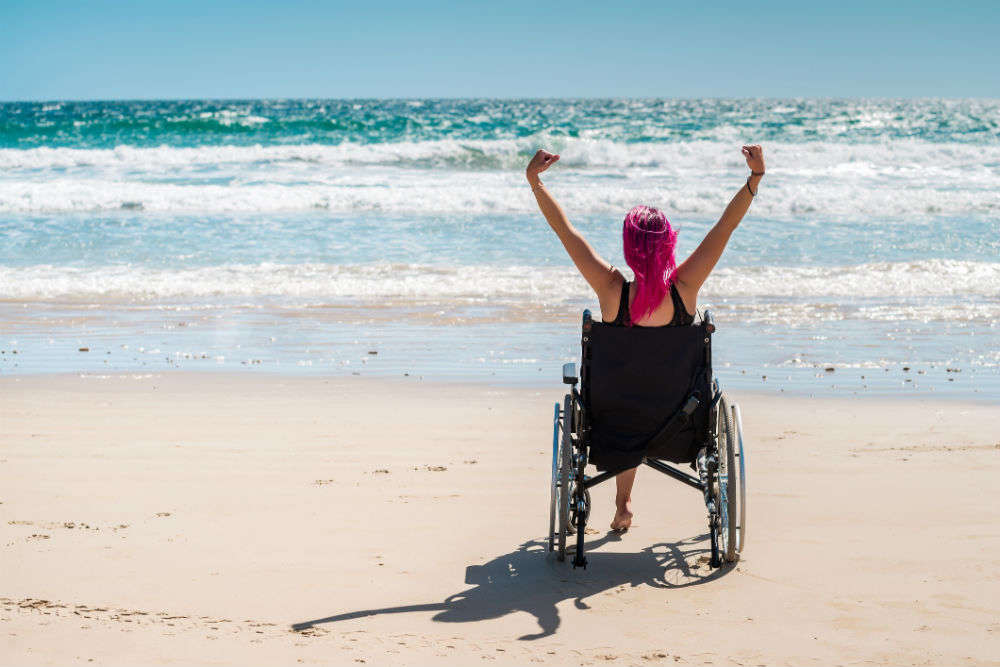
(398, 237)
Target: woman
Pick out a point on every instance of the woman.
(649, 243)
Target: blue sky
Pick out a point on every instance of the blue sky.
(183, 49)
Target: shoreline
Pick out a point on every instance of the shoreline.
(253, 375)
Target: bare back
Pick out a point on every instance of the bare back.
(661, 316)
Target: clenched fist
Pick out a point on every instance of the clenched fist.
(542, 161)
(755, 158)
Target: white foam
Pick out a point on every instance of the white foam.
(839, 289)
(900, 155)
(502, 194)
(825, 180)
(926, 278)
(308, 281)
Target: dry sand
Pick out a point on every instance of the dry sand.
(193, 519)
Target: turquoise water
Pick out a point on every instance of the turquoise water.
(197, 123)
(304, 234)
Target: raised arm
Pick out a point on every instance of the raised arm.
(595, 269)
(697, 267)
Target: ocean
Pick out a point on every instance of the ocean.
(398, 237)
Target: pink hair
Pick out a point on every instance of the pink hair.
(649, 242)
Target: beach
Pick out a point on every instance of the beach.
(277, 379)
(230, 518)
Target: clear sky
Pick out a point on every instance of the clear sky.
(298, 48)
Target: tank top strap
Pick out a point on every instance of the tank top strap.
(681, 316)
(623, 318)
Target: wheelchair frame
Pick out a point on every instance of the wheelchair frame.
(720, 463)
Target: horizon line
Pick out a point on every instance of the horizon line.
(498, 98)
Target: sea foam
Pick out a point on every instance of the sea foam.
(516, 284)
(809, 180)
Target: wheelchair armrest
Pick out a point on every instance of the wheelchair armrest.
(569, 374)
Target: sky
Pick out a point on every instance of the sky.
(368, 49)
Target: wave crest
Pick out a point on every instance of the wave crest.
(811, 180)
(332, 283)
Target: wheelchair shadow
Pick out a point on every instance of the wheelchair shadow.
(529, 579)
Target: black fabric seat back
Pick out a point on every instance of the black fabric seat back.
(636, 379)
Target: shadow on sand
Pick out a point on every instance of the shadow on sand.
(529, 580)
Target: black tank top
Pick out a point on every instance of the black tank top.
(681, 318)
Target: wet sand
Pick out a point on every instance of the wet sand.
(188, 518)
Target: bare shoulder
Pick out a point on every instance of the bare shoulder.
(689, 295)
(608, 295)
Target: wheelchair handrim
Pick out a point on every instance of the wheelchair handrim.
(728, 512)
(555, 472)
(742, 528)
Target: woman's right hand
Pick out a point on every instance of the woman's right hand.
(755, 158)
(542, 161)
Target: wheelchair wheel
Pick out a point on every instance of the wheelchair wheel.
(565, 496)
(727, 484)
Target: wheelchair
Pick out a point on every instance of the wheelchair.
(647, 396)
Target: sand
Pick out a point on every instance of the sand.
(195, 518)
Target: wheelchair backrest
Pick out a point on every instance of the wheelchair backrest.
(633, 379)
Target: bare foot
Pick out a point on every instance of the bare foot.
(622, 520)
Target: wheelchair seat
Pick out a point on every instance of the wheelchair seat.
(634, 381)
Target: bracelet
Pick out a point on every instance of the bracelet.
(752, 193)
(756, 173)
(535, 188)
